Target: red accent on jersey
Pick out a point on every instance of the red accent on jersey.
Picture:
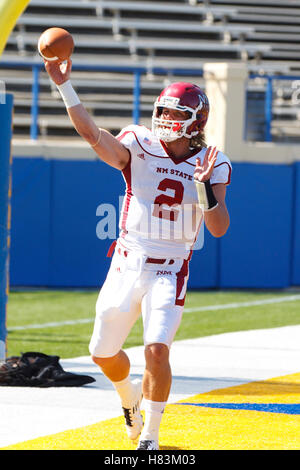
(146, 151)
(127, 176)
(111, 249)
(179, 160)
(229, 174)
(174, 160)
(181, 277)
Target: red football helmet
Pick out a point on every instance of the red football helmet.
(182, 96)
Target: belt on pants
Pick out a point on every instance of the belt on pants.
(148, 260)
(159, 261)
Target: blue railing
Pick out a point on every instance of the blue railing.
(136, 71)
(268, 105)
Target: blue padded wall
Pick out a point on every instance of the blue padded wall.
(54, 220)
(296, 228)
(78, 256)
(204, 264)
(256, 251)
(31, 228)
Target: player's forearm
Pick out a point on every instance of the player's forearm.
(212, 202)
(108, 148)
(80, 118)
(217, 220)
(83, 123)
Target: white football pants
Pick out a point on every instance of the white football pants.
(137, 285)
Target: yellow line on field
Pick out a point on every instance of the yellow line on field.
(199, 428)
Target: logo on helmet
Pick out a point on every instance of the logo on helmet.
(169, 101)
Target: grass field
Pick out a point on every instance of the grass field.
(60, 322)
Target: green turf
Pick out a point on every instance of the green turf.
(40, 307)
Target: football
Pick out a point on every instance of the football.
(56, 44)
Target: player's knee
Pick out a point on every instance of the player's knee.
(96, 360)
(156, 354)
(102, 352)
(102, 362)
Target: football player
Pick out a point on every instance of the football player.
(174, 183)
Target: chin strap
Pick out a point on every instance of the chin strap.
(206, 197)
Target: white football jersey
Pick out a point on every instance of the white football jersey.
(160, 215)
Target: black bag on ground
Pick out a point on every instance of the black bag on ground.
(34, 369)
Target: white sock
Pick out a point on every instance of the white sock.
(125, 391)
(153, 415)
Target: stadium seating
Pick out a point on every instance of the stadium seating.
(187, 33)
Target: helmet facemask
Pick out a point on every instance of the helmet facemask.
(169, 130)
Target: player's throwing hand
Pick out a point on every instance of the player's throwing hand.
(203, 172)
(59, 72)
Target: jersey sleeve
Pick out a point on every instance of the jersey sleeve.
(128, 137)
(222, 170)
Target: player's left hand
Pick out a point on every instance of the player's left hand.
(204, 171)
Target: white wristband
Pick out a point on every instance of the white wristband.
(68, 94)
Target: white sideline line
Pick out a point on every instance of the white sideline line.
(274, 300)
(253, 303)
(52, 324)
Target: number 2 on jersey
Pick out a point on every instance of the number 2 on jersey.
(171, 201)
